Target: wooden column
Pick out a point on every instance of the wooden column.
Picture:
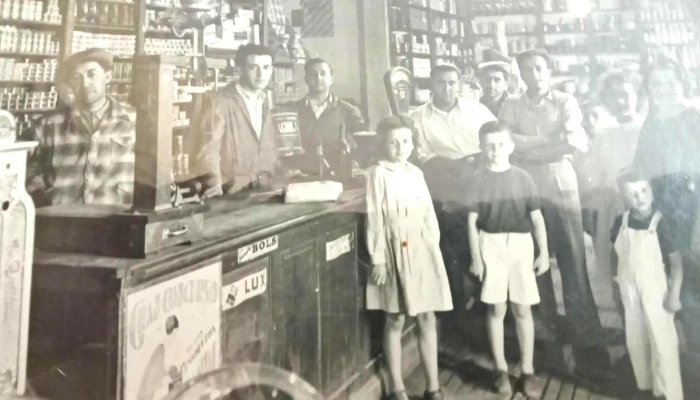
(153, 98)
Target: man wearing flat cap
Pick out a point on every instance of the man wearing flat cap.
(86, 151)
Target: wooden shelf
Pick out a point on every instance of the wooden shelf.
(432, 11)
(169, 34)
(25, 82)
(105, 28)
(414, 55)
(162, 7)
(497, 16)
(572, 33)
(29, 23)
(32, 111)
(19, 54)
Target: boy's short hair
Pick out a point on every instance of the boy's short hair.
(630, 175)
(492, 127)
(251, 49)
(391, 123)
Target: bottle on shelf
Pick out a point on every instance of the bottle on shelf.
(345, 164)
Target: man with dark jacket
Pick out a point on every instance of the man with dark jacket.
(321, 115)
(238, 135)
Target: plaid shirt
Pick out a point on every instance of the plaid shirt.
(72, 165)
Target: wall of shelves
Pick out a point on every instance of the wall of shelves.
(586, 38)
(423, 34)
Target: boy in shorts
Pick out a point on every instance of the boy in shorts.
(504, 211)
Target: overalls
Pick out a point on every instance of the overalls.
(652, 341)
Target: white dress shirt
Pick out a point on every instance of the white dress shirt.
(254, 101)
(453, 134)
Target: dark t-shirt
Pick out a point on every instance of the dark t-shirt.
(664, 231)
(503, 200)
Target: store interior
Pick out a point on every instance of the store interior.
(95, 276)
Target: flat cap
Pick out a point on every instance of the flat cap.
(101, 56)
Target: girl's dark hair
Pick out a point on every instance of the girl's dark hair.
(630, 175)
(663, 62)
(391, 123)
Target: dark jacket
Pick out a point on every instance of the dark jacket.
(231, 155)
(327, 128)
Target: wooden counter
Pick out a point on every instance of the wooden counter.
(291, 294)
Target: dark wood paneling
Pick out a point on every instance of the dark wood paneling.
(295, 305)
(340, 328)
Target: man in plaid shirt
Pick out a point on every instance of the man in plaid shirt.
(86, 152)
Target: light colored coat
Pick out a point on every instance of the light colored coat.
(402, 231)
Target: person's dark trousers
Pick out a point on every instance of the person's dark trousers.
(448, 182)
(561, 209)
(690, 323)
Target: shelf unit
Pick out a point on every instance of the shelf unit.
(610, 34)
(423, 34)
(29, 54)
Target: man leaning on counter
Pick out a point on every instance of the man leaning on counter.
(86, 151)
(238, 135)
(321, 113)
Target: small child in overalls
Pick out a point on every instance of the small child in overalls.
(644, 246)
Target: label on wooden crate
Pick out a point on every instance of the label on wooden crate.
(172, 333)
(257, 249)
(338, 247)
(233, 294)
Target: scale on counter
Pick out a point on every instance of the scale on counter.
(158, 218)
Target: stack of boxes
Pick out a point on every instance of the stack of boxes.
(21, 99)
(27, 41)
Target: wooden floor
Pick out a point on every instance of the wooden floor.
(468, 376)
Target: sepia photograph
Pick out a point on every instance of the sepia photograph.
(349, 199)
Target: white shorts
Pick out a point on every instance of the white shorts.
(508, 268)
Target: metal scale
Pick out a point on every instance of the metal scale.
(16, 249)
(159, 217)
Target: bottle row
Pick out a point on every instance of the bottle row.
(27, 41)
(121, 71)
(21, 99)
(30, 10)
(13, 70)
(118, 45)
(663, 12)
(504, 7)
(670, 34)
(105, 13)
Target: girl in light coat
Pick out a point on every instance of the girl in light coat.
(408, 276)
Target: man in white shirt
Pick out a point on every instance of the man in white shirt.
(447, 142)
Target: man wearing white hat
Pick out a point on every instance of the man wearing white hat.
(494, 81)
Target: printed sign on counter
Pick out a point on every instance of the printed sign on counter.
(172, 333)
(338, 247)
(244, 289)
(257, 249)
